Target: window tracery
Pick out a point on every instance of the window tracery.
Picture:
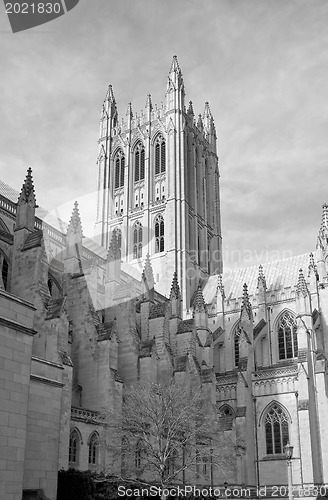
(287, 336)
(159, 234)
(137, 240)
(276, 430)
(160, 154)
(119, 163)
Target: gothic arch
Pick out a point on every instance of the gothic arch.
(276, 422)
(5, 270)
(4, 227)
(54, 287)
(93, 445)
(119, 167)
(159, 154)
(159, 228)
(286, 335)
(267, 409)
(227, 416)
(234, 336)
(137, 239)
(75, 442)
(157, 133)
(139, 161)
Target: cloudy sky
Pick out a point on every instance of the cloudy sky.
(262, 65)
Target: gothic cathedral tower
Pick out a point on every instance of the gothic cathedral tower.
(158, 188)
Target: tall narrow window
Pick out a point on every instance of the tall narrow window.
(74, 447)
(119, 169)
(93, 448)
(276, 430)
(139, 163)
(159, 234)
(137, 240)
(236, 343)
(226, 418)
(160, 154)
(4, 272)
(287, 336)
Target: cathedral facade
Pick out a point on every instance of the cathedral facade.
(81, 319)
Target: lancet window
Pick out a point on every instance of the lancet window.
(287, 336)
(276, 430)
(119, 163)
(160, 153)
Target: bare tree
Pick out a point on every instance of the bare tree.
(165, 430)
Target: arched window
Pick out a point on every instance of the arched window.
(287, 336)
(226, 418)
(236, 336)
(4, 266)
(119, 163)
(93, 448)
(159, 234)
(276, 430)
(159, 155)
(74, 447)
(137, 240)
(139, 163)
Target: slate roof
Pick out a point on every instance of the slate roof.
(33, 240)
(278, 274)
(55, 307)
(186, 325)
(146, 348)
(157, 310)
(105, 331)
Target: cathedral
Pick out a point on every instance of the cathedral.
(81, 319)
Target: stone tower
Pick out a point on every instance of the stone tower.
(158, 188)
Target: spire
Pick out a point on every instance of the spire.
(75, 225)
(110, 95)
(301, 287)
(175, 289)
(175, 68)
(129, 112)
(261, 278)
(246, 305)
(324, 221)
(220, 285)
(149, 104)
(312, 265)
(199, 302)
(27, 194)
(190, 111)
(207, 115)
(200, 122)
(148, 278)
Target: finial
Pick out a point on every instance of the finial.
(207, 111)
(301, 287)
(149, 104)
(75, 225)
(312, 265)
(27, 194)
(324, 221)
(175, 289)
(246, 305)
(199, 302)
(200, 122)
(129, 111)
(220, 285)
(261, 278)
(190, 111)
(175, 65)
(110, 94)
